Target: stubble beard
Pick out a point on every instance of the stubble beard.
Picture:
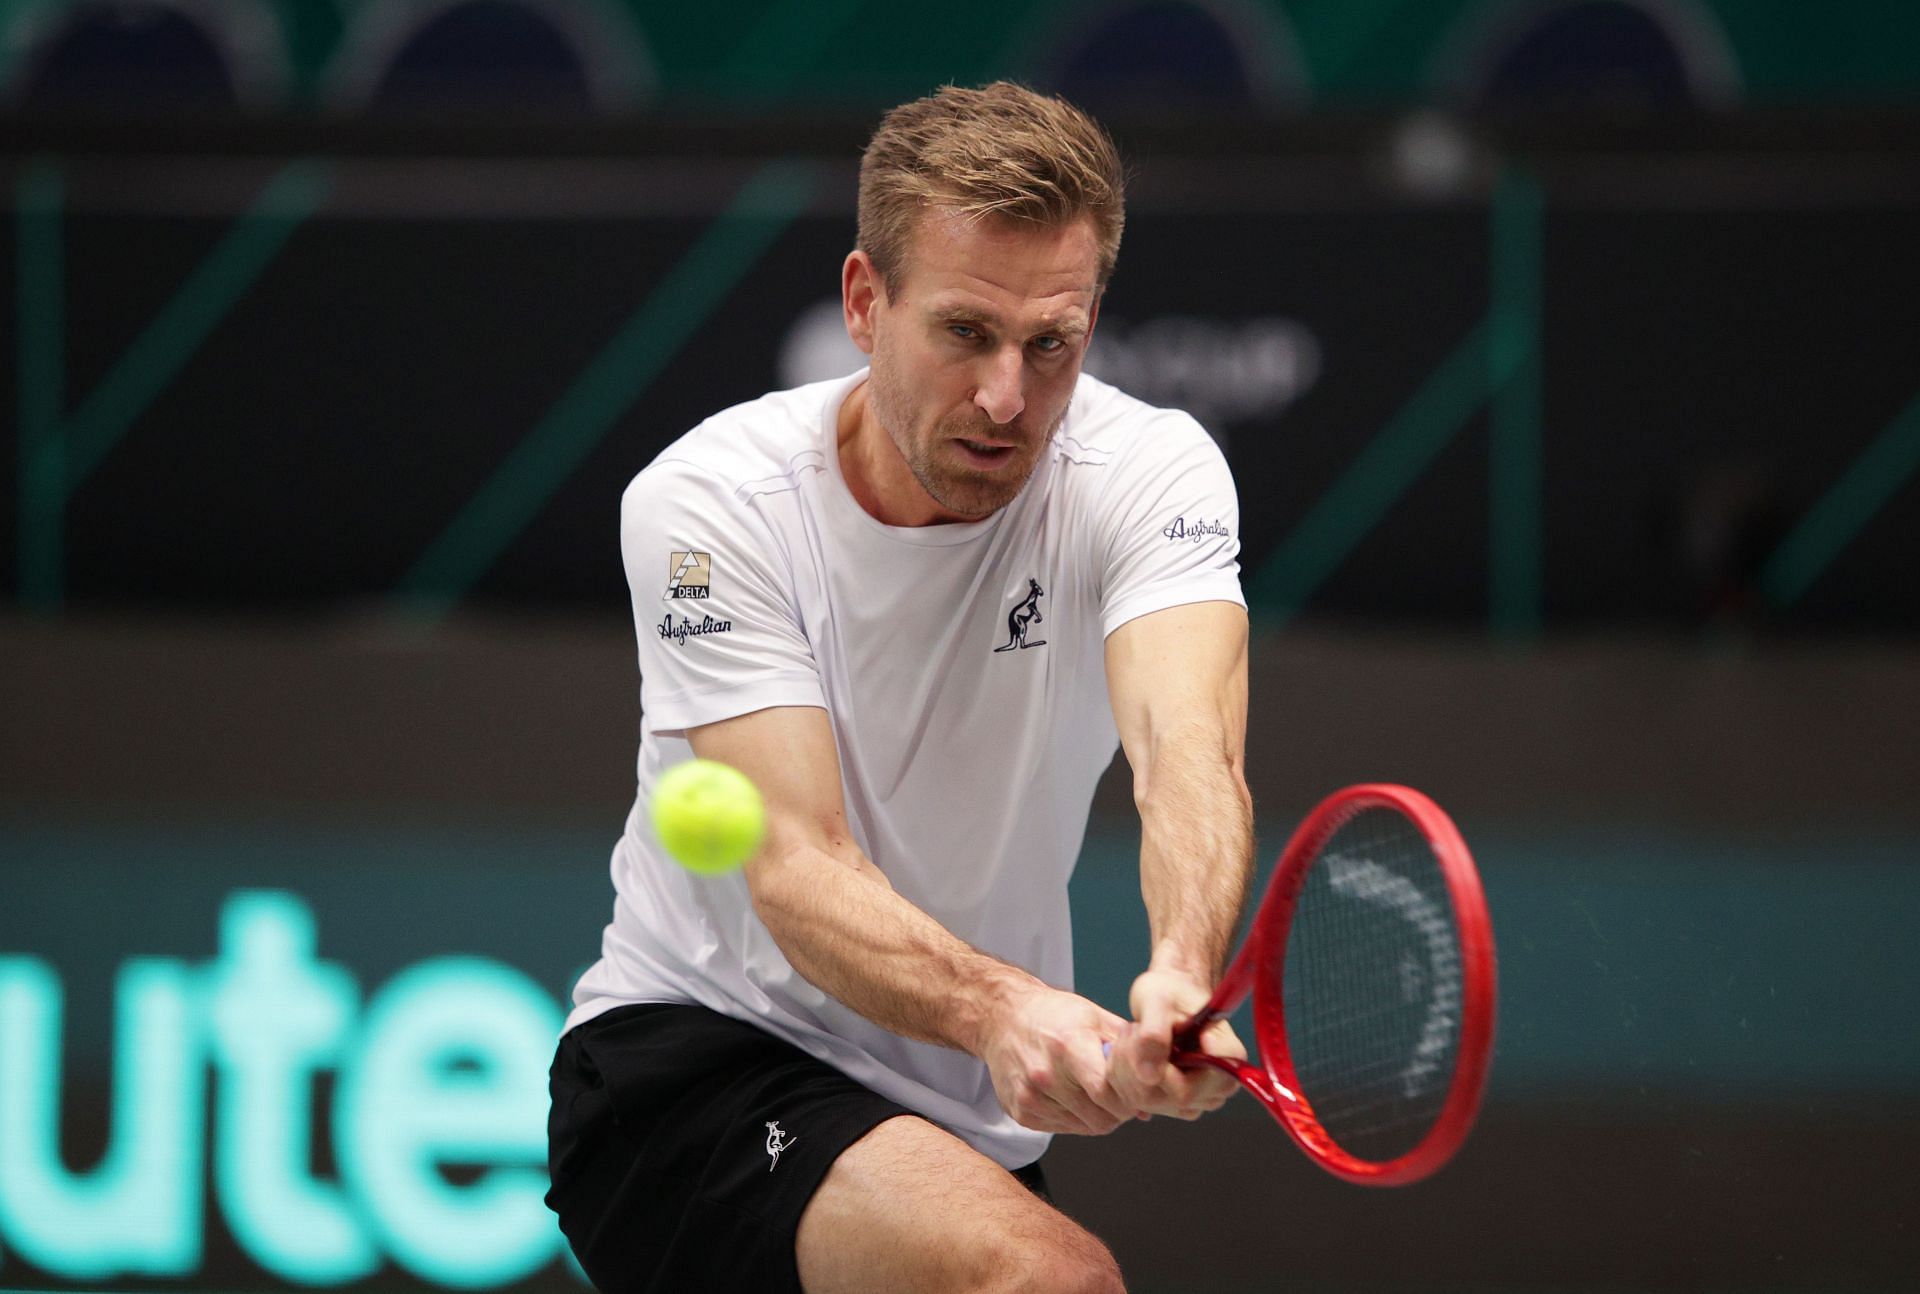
(958, 490)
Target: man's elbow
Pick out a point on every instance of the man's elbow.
(1199, 763)
(790, 878)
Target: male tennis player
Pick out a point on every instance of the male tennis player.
(917, 606)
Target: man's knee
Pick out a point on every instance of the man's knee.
(1088, 1273)
(1067, 1261)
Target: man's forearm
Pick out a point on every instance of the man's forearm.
(852, 936)
(1196, 851)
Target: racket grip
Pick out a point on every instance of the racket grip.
(1186, 1036)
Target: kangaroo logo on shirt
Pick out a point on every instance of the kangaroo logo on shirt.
(1023, 616)
(777, 1141)
(689, 575)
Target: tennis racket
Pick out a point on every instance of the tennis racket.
(1370, 963)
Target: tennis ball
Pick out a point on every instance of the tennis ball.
(708, 815)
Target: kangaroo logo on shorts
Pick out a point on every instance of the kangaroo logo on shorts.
(777, 1141)
(1025, 614)
(689, 575)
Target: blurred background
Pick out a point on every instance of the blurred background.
(1567, 354)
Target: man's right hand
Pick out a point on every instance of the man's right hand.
(1047, 1057)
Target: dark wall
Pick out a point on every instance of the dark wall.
(1555, 383)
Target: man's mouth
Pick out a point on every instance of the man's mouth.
(985, 453)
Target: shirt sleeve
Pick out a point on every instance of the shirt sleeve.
(719, 630)
(1171, 522)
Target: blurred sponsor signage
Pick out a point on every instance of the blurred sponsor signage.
(333, 1132)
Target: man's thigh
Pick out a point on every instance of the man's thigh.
(911, 1207)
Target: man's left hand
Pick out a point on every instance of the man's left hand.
(1141, 1068)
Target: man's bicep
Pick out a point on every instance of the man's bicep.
(1181, 670)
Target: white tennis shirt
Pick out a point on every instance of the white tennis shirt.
(962, 669)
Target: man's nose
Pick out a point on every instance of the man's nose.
(1000, 394)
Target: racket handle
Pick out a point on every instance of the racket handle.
(1187, 1055)
(1186, 1039)
(1186, 1036)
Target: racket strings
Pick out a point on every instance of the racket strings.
(1372, 986)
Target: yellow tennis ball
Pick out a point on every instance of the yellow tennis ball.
(708, 815)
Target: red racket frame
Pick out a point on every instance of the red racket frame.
(1262, 957)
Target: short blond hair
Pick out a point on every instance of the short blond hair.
(1001, 150)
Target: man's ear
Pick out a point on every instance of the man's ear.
(860, 290)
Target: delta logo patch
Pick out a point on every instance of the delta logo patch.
(689, 575)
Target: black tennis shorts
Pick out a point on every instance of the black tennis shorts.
(684, 1146)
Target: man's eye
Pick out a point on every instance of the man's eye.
(1050, 345)
(962, 331)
